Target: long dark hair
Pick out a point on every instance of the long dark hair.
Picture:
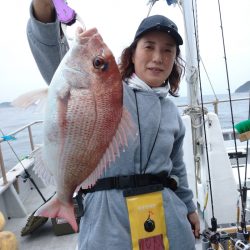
(126, 67)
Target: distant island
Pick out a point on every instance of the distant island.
(5, 104)
(243, 88)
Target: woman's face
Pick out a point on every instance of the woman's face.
(154, 57)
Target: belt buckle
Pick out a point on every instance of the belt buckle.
(124, 182)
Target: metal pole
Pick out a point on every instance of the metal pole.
(3, 168)
(215, 103)
(31, 139)
(192, 76)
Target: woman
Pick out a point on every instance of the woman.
(150, 69)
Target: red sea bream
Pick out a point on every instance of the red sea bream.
(85, 122)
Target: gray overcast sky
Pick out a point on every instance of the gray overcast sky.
(117, 21)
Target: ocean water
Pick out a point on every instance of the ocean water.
(12, 119)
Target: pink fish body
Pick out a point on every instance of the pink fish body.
(85, 123)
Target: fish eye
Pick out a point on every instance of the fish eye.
(99, 62)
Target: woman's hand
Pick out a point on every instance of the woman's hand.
(195, 223)
(44, 10)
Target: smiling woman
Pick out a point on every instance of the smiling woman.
(154, 58)
(154, 55)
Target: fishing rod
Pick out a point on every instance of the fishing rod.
(213, 219)
(245, 188)
(27, 175)
(245, 179)
(242, 192)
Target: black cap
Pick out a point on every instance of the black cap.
(158, 22)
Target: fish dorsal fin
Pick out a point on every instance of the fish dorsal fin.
(119, 142)
(35, 97)
(40, 167)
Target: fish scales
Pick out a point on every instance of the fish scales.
(85, 123)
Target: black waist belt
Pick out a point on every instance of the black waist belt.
(133, 181)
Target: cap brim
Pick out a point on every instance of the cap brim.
(168, 30)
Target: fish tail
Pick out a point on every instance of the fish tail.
(54, 208)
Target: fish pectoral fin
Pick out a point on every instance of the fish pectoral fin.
(126, 129)
(64, 92)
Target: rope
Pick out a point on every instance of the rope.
(195, 113)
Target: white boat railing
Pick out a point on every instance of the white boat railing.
(216, 103)
(28, 127)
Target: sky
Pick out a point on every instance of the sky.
(117, 21)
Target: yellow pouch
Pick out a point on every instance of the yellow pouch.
(147, 219)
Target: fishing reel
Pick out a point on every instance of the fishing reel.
(211, 236)
(240, 245)
(215, 239)
(223, 239)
